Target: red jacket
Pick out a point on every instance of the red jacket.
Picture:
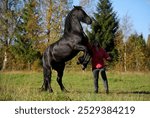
(98, 57)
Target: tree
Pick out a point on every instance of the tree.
(148, 52)
(136, 57)
(84, 2)
(119, 43)
(7, 26)
(53, 16)
(27, 34)
(126, 27)
(105, 26)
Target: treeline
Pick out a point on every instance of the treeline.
(27, 27)
(129, 51)
(134, 54)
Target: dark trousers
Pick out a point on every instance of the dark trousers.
(104, 78)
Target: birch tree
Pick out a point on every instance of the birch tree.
(7, 26)
(126, 27)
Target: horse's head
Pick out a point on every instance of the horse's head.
(81, 15)
(73, 19)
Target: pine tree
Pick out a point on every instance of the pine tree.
(148, 52)
(27, 34)
(148, 41)
(105, 26)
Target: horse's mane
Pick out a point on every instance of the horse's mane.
(68, 19)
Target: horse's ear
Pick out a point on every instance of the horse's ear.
(77, 7)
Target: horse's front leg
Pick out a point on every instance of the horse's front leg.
(81, 48)
(85, 58)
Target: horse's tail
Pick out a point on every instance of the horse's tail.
(43, 60)
(47, 57)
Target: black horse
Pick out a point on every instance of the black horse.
(72, 42)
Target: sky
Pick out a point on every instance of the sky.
(137, 10)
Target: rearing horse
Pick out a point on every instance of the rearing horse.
(68, 46)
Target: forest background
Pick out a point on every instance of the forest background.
(27, 27)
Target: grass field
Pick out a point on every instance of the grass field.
(20, 86)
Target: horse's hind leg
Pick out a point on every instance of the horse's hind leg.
(60, 70)
(47, 79)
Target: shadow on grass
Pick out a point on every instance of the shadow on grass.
(135, 92)
(102, 92)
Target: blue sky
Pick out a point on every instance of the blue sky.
(137, 10)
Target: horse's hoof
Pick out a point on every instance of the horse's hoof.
(78, 62)
(42, 89)
(96, 91)
(50, 91)
(65, 91)
(83, 68)
(107, 91)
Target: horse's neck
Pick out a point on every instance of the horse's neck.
(73, 27)
(76, 26)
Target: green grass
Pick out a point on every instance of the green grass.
(22, 86)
